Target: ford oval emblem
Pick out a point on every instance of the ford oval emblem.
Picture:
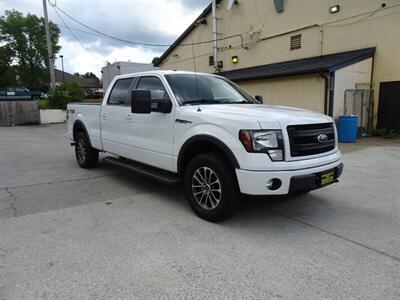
(322, 138)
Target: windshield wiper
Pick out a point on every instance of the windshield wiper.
(201, 101)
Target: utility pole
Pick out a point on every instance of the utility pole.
(214, 33)
(49, 49)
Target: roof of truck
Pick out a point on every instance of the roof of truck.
(162, 72)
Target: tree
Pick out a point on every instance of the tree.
(155, 61)
(7, 73)
(91, 75)
(25, 37)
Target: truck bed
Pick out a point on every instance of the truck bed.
(90, 114)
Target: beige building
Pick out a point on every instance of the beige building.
(331, 56)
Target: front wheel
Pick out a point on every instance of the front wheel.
(211, 187)
(86, 156)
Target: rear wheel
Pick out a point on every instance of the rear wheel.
(211, 187)
(86, 156)
(35, 98)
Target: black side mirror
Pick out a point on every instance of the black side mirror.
(259, 99)
(141, 101)
(163, 106)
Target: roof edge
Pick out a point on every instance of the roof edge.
(184, 34)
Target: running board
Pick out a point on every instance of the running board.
(148, 171)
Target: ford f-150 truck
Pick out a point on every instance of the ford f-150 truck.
(205, 131)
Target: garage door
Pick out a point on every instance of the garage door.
(302, 92)
(389, 105)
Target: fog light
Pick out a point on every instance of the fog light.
(275, 154)
(274, 184)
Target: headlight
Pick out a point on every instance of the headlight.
(263, 141)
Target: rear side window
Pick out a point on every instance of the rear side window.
(156, 88)
(120, 92)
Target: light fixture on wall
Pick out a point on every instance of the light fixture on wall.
(334, 9)
(235, 59)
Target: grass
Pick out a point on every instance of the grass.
(43, 104)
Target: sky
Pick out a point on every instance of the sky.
(147, 21)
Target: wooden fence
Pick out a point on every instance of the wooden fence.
(19, 113)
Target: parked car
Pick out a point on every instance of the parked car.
(205, 131)
(19, 93)
(95, 93)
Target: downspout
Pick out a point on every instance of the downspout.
(371, 120)
(214, 33)
(331, 93)
(326, 93)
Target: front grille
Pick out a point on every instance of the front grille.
(304, 139)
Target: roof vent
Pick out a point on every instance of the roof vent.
(295, 42)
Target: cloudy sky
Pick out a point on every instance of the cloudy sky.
(147, 21)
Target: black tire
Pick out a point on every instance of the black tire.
(86, 156)
(35, 98)
(215, 205)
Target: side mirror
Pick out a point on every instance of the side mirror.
(259, 99)
(164, 106)
(141, 101)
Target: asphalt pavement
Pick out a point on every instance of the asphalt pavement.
(69, 233)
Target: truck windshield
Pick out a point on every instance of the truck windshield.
(194, 89)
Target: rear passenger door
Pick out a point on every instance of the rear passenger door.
(114, 115)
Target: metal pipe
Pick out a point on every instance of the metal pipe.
(214, 33)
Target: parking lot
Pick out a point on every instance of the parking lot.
(69, 233)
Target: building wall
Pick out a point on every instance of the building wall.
(351, 77)
(307, 92)
(119, 68)
(266, 33)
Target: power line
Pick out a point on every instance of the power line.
(73, 35)
(141, 43)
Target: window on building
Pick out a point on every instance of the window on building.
(295, 42)
(211, 60)
(120, 92)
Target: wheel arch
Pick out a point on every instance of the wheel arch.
(201, 144)
(80, 127)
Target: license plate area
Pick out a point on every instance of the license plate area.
(326, 177)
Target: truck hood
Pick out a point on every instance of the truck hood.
(268, 116)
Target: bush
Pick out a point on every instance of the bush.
(386, 133)
(43, 104)
(65, 93)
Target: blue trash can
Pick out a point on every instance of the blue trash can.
(347, 129)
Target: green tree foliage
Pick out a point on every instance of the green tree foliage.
(7, 73)
(25, 39)
(88, 75)
(65, 93)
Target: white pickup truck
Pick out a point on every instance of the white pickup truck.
(205, 131)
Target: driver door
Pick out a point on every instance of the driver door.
(151, 135)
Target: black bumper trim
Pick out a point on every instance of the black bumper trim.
(304, 183)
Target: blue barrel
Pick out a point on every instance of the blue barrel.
(347, 129)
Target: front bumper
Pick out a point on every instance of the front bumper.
(293, 181)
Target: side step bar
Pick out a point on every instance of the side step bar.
(156, 174)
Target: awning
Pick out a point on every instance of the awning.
(310, 65)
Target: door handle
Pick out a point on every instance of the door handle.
(129, 117)
(104, 115)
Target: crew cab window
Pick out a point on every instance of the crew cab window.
(156, 88)
(120, 92)
(10, 89)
